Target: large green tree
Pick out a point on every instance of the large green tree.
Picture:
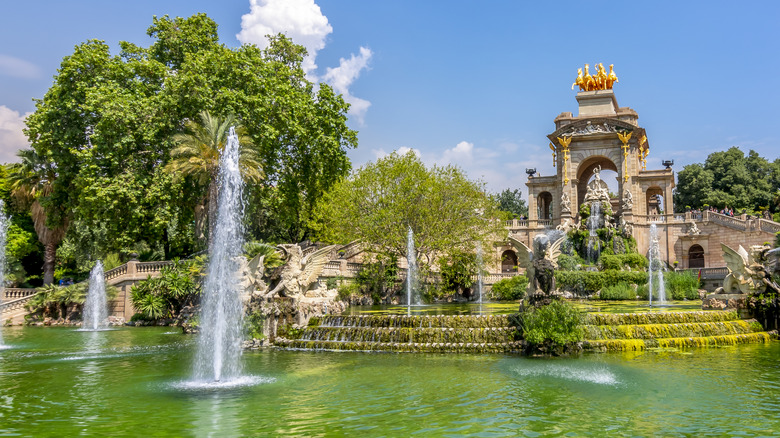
(382, 200)
(512, 202)
(107, 124)
(729, 179)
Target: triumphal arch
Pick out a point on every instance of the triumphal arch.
(605, 136)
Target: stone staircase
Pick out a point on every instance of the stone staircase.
(641, 331)
(399, 333)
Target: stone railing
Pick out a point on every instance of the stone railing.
(116, 272)
(150, 267)
(729, 221)
(708, 273)
(12, 293)
(768, 226)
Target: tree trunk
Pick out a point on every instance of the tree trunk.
(49, 258)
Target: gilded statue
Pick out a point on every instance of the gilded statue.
(600, 80)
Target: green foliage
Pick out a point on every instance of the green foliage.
(682, 285)
(570, 262)
(272, 257)
(111, 188)
(458, 271)
(587, 282)
(511, 201)
(347, 290)
(633, 261)
(510, 289)
(379, 202)
(376, 278)
(164, 296)
(619, 291)
(559, 323)
(729, 179)
(53, 301)
(253, 325)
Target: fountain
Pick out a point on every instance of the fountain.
(411, 276)
(655, 269)
(3, 235)
(594, 245)
(218, 357)
(96, 307)
(479, 272)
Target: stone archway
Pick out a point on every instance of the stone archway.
(508, 261)
(695, 256)
(654, 200)
(545, 205)
(585, 172)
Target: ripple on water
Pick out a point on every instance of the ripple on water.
(240, 382)
(600, 376)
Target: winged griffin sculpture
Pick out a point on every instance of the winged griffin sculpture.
(299, 272)
(540, 263)
(746, 272)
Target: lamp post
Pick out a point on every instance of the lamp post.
(624, 138)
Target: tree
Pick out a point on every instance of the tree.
(108, 122)
(511, 201)
(729, 179)
(381, 201)
(32, 180)
(197, 154)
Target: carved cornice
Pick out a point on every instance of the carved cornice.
(596, 126)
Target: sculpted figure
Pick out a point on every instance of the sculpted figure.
(565, 203)
(578, 82)
(253, 272)
(694, 230)
(612, 77)
(588, 81)
(601, 77)
(540, 264)
(628, 200)
(299, 272)
(746, 273)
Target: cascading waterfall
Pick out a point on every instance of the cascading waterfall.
(218, 356)
(411, 276)
(594, 246)
(479, 272)
(3, 235)
(96, 306)
(655, 271)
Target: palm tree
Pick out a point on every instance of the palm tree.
(31, 181)
(197, 154)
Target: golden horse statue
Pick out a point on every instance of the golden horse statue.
(578, 81)
(612, 77)
(601, 77)
(588, 81)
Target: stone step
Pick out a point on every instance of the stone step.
(401, 347)
(660, 317)
(405, 335)
(680, 330)
(683, 342)
(413, 321)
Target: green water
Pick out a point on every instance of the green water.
(59, 382)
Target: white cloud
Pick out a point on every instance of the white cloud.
(18, 68)
(381, 153)
(300, 20)
(342, 77)
(303, 22)
(12, 137)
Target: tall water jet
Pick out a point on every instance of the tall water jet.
(411, 272)
(655, 270)
(594, 245)
(479, 272)
(3, 235)
(218, 356)
(95, 315)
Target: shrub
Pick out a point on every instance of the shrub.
(164, 296)
(621, 261)
(510, 289)
(682, 285)
(593, 281)
(569, 262)
(377, 277)
(458, 271)
(558, 322)
(619, 291)
(346, 290)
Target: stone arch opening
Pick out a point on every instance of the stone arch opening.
(609, 173)
(544, 203)
(508, 261)
(696, 256)
(654, 201)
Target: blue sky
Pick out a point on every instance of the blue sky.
(476, 84)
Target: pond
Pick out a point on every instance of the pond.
(126, 382)
(507, 307)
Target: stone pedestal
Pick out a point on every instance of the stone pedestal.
(736, 302)
(597, 103)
